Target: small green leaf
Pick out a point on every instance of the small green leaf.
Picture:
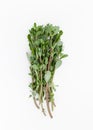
(39, 51)
(30, 96)
(29, 37)
(35, 66)
(28, 56)
(35, 25)
(43, 66)
(38, 33)
(58, 64)
(30, 85)
(46, 60)
(29, 74)
(61, 32)
(56, 29)
(63, 55)
(51, 68)
(59, 43)
(47, 76)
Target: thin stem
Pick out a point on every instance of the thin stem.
(35, 102)
(47, 87)
(40, 99)
(54, 104)
(34, 97)
(49, 60)
(43, 110)
(47, 101)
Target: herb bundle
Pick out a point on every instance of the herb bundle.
(46, 53)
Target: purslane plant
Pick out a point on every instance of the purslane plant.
(46, 54)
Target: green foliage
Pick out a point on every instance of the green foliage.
(47, 76)
(58, 63)
(46, 52)
(63, 55)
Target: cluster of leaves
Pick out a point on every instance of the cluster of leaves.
(46, 53)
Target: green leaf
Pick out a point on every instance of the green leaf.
(47, 76)
(35, 66)
(63, 55)
(35, 25)
(28, 56)
(30, 85)
(39, 51)
(29, 37)
(43, 66)
(56, 29)
(30, 96)
(29, 74)
(38, 33)
(59, 43)
(46, 60)
(61, 32)
(51, 68)
(58, 64)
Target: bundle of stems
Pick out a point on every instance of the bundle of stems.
(46, 54)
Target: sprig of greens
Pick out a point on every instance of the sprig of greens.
(46, 54)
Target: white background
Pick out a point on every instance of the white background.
(74, 97)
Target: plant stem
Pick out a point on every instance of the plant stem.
(34, 97)
(35, 102)
(47, 101)
(40, 98)
(54, 104)
(43, 110)
(47, 87)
